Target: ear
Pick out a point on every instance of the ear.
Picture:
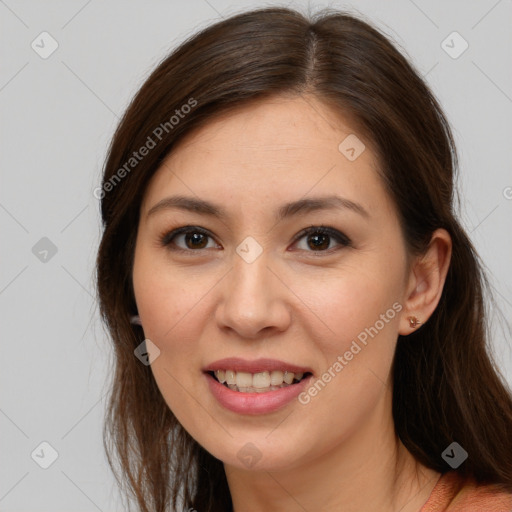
(427, 276)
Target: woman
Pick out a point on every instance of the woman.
(297, 315)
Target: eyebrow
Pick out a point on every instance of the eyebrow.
(299, 207)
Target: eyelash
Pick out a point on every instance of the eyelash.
(167, 238)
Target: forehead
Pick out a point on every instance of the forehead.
(279, 122)
(279, 148)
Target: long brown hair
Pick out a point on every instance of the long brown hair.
(445, 385)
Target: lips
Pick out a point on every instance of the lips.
(263, 400)
(255, 403)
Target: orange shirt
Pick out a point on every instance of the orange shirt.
(448, 496)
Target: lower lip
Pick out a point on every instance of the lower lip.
(255, 403)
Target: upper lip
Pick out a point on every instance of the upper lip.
(255, 366)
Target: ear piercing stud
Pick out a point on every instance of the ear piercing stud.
(413, 322)
(135, 320)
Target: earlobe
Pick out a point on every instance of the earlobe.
(427, 278)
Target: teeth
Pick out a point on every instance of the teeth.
(246, 382)
(276, 378)
(243, 380)
(288, 377)
(230, 377)
(261, 380)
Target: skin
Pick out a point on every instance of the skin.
(339, 451)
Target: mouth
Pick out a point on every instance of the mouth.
(251, 387)
(258, 382)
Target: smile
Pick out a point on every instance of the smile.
(261, 382)
(255, 387)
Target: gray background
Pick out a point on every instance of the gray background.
(57, 117)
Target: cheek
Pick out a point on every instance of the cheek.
(356, 339)
(352, 302)
(167, 304)
(165, 296)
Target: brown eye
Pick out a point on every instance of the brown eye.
(319, 238)
(186, 239)
(192, 238)
(195, 240)
(318, 242)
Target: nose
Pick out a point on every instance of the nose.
(254, 299)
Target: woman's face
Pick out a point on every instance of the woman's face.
(247, 286)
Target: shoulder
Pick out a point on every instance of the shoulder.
(454, 494)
